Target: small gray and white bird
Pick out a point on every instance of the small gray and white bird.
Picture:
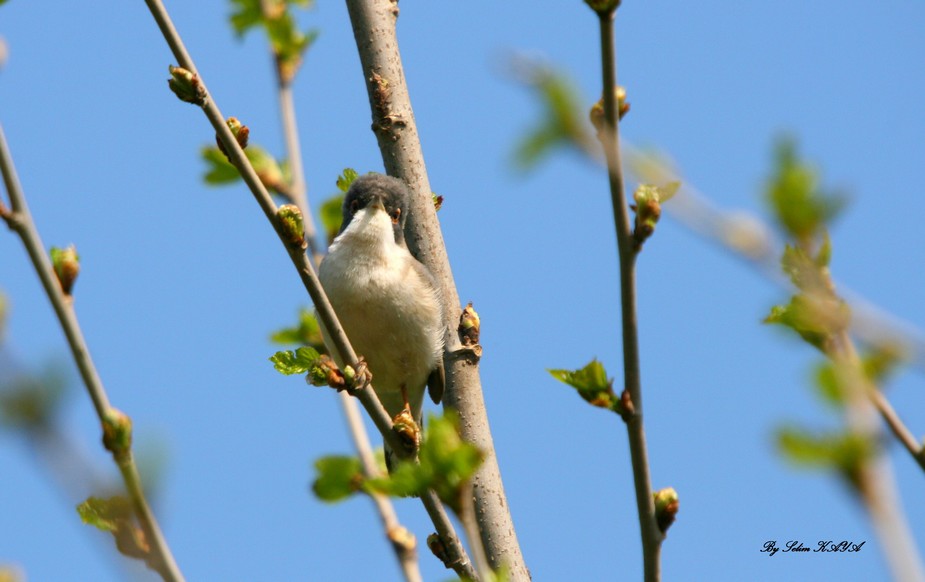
(385, 299)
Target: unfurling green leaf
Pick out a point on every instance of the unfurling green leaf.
(220, 171)
(299, 361)
(559, 124)
(246, 15)
(31, 402)
(816, 318)
(306, 333)
(844, 452)
(881, 361)
(802, 210)
(446, 465)
(337, 478)
(115, 515)
(346, 178)
(104, 514)
(592, 385)
(290, 222)
(287, 41)
(648, 200)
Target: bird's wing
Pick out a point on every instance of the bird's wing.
(436, 382)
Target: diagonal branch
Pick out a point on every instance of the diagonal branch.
(300, 260)
(20, 220)
(393, 123)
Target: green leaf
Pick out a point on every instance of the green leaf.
(446, 465)
(881, 361)
(559, 124)
(299, 361)
(844, 452)
(246, 15)
(306, 333)
(592, 384)
(815, 318)
(829, 385)
(31, 402)
(802, 210)
(338, 478)
(346, 178)
(332, 216)
(105, 514)
(218, 169)
(451, 460)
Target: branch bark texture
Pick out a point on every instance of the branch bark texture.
(393, 123)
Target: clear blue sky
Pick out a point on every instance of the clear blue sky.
(181, 284)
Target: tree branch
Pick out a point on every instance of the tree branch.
(394, 531)
(20, 220)
(651, 536)
(342, 348)
(393, 123)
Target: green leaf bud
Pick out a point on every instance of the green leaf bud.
(186, 86)
(117, 432)
(666, 507)
(290, 222)
(66, 263)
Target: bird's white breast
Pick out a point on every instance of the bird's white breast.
(392, 316)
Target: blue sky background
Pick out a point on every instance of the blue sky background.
(181, 284)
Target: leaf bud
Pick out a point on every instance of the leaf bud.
(469, 326)
(603, 6)
(666, 507)
(186, 86)
(596, 114)
(66, 263)
(290, 222)
(117, 432)
(240, 132)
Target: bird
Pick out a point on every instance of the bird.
(386, 300)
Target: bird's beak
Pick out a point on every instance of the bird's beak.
(377, 203)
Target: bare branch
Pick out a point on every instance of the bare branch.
(342, 348)
(20, 220)
(651, 535)
(393, 123)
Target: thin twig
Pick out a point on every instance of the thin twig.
(20, 220)
(902, 434)
(373, 24)
(403, 545)
(471, 526)
(343, 350)
(875, 482)
(298, 190)
(651, 536)
(456, 559)
(751, 241)
(407, 556)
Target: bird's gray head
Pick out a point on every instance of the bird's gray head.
(378, 192)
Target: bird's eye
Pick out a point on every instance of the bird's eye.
(354, 206)
(395, 215)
